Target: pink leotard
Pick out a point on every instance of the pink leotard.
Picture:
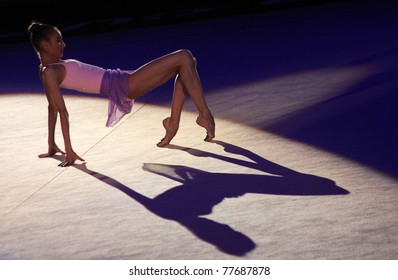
(89, 78)
(82, 76)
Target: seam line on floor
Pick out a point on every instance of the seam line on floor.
(89, 149)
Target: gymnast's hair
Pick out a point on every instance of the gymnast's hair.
(39, 31)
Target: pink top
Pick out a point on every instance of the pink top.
(82, 77)
(89, 78)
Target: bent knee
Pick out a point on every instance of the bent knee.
(187, 56)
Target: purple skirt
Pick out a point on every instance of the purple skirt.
(115, 84)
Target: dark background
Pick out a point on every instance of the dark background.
(90, 16)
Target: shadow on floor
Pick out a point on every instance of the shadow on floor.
(359, 123)
(198, 191)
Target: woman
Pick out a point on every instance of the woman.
(122, 87)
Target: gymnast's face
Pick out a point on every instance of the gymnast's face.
(55, 45)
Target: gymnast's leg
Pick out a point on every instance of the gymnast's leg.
(171, 123)
(182, 65)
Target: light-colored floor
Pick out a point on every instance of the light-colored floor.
(265, 188)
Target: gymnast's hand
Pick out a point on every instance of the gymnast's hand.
(70, 159)
(52, 150)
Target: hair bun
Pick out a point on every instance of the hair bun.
(34, 26)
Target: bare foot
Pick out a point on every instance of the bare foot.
(209, 125)
(171, 131)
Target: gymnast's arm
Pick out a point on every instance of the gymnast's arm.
(56, 101)
(52, 120)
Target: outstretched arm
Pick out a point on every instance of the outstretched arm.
(52, 120)
(57, 105)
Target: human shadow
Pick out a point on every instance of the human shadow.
(198, 191)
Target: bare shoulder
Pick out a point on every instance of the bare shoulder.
(52, 73)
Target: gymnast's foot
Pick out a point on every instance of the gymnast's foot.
(209, 125)
(171, 131)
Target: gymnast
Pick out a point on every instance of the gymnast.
(121, 86)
